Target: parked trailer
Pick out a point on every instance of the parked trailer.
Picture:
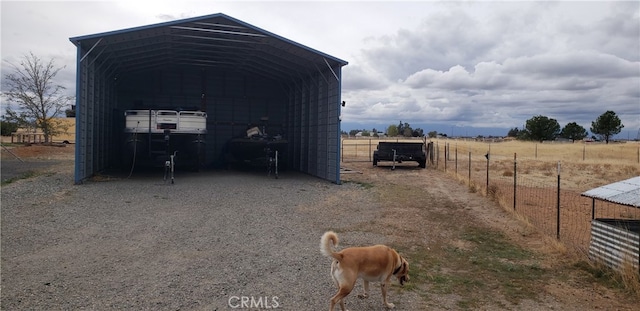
(399, 152)
(152, 136)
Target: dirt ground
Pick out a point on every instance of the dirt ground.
(40, 152)
(453, 207)
(425, 209)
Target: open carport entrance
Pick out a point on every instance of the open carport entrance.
(236, 73)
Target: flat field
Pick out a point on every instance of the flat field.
(526, 177)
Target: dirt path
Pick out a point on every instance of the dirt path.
(434, 217)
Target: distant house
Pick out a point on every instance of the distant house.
(66, 125)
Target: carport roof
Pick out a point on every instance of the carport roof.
(216, 40)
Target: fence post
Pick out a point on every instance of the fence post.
(446, 155)
(584, 151)
(342, 150)
(515, 179)
(558, 206)
(356, 145)
(487, 156)
(456, 159)
(437, 154)
(369, 149)
(469, 168)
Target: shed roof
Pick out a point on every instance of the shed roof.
(215, 40)
(625, 192)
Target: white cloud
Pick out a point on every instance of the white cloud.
(482, 64)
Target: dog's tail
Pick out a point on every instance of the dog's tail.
(326, 248)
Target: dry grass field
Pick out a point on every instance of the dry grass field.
(539, 183)
(534, 168)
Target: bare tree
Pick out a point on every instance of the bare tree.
(31, 86)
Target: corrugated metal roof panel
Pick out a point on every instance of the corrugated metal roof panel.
(215, 40)
(625, 192)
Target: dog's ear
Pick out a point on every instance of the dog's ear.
(404, 271)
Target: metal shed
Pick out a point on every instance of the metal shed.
(615, 242)
(237, 73)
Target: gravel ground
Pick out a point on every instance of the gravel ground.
(215, 238)
(204, 243)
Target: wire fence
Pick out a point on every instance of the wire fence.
(546, 192)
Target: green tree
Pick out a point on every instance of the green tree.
(523, 135)
(513, 132)
(31, 86)
(392, 130)
(542, 128)
(407, 131)
(19, 118)
(573, 131)
(7, 126)
(607, 125)
(418, 132)
(432, 134)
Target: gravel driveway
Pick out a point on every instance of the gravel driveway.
(209, 242)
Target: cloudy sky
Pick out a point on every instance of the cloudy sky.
(460, 68)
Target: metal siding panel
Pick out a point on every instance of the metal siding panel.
(333, 129)
(613, 244)
(294, 131)
(322, 129)
(219, 126)
(303, 139)
(241, 112)
(312, 164)
(80, 120)
(100, 139)
(90, 143)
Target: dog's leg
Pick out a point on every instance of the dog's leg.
(384, 286)
(339, 297)
(366, 290)
(345, 280)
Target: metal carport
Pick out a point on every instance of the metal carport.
(234, 71)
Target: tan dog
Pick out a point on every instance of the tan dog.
(372, 263)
